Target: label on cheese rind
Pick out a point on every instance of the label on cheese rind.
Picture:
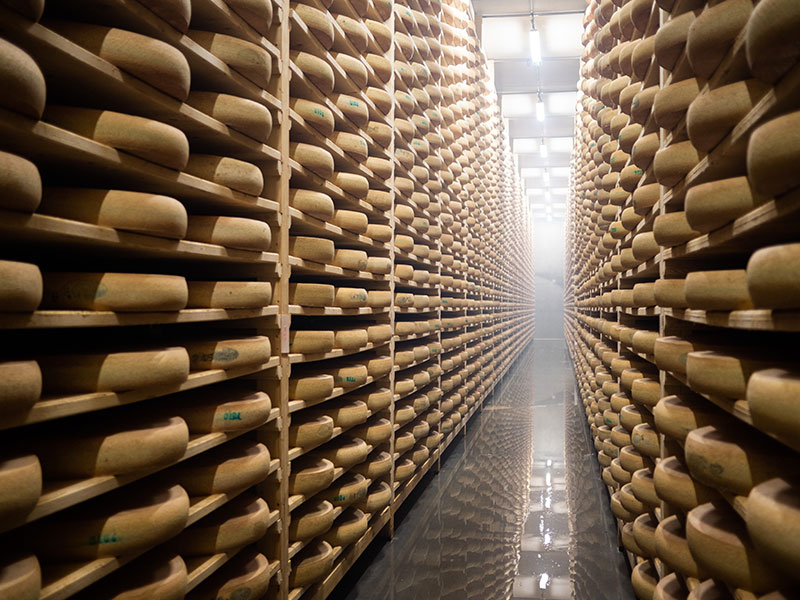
(228, 354)
(224, 409)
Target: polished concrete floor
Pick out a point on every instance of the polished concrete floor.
(518, 509)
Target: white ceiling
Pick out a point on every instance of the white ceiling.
(504, 28)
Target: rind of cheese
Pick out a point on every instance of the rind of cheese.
(309, 430)
(344, 451)
(673, 548)
(228, 354)
(316, 249)
(20, 489)
(258, 14)
(312, 294)
(347, 297)
(23, 85)
(246, 58)
(20, 183)
(351, 339)
(120, 292)
(348, 528)
(248, 573)
(21, 286)
(315, 114)
(311, 387)
(231, 232)
(311, 342)
(309, 475)
(313, 563)
(351, 220)
(114, 371)
(773, 522)
(375, 432)
(20, 387)
(378, 497)
(234, 466)
(346, 490)
(149, 59)
(315, 204)
(240, 522)
(147, 139)
(317, 160)
(353, 184)
(236, 174)
(310, 520)
(772, 279)
(229, 294)
(222, 408)
(346, 414)
(718, 290)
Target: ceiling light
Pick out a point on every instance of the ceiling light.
(535, 43)
(540, 108)
(546, 177)
(543, 149)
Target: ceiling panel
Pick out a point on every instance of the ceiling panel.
(553, 126)
(554, 75)
(492, 7)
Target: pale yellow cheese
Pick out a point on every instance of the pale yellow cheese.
(312, 203)
(379, 298)
(312, 248)
(228, 354)
(122, 292)
(718, 290)
(344, 451)
(352, 144)
(352, 108)
(351, 220)
(20, 183)
(376, 399)
(311, 342)
(349, 375)
(21, 286)
(772, 397)
(240, 522)
(229, 294)
(248, 573)
(310, 520)
(315, 114)
(773, 522)
(317, 160)
(374, 432)
(234, 466)
(346, 490)
(313, 563)
(772, 277)
(20, 387)
(379, 233)
(20, 489)
(351, 183)
(404, 468)
(232, 232)
(673, 548)
(309, 475)
(249, 59)
(318, 22)
(348, 528)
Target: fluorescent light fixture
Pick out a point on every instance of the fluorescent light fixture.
(540, 109)
(543, 149)
(535, 43)
(546, 177)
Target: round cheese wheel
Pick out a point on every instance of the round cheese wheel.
(20, 577)
(228, 354)
(229, 294)
(236, 174)
(312, 203)
(348, 528)
(21, 286)
(734, 458)
(344, 451)
(352, 108)
(404, 387)
(312, 248)
(721, 374)
(676, 416)
(380, 65)
(644, 341)
(381, 99)
(670, 293)
(351, 339)
(771, 151)
(379, 298)
(151, 60)
(311, 294)
(773, 520)
(311, 387)
(347, 297)
(355, 185)
(378, 334)
(128, 523)
(404, 272)
(672, 101)
(352, 144)
(718, 290)
(379, 199)
(346, 490)
(138, 444)
(249, 59)
(231, 232)
(772, 280)
(355, 31)
(644, 579)
(376, 399)
(644, 489)
(240, 522)
(151, 140)
(404, 468)
(355, 69)
(234, 466)
(350, 375)
(379, 233)
(671, 353)
(718, 539)
(675, 485)
(161, 577)
(772, 398)
(311, 429)
(672, 229)
(310, 520)
(672, 547)
(644, 531)
(351, 220)
(247, 575)
(20, 183)
(310, 475)
(131, 211)
(317, 160)
(381, 133)
(375, 432)
(20, 387)
(419, 455)
(311, 342)
(312, 564)
(319, 23)
(175, 12)
(121, 292)
(769, 39)
(346, 414)
(114, 371)
(23, 83)
(20, 489)
(646, 441)
(405, 441)
(632, 461)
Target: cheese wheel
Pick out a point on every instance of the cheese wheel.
(404, 387)
(419, 455)
(151, 60)
(404, 271)
(348, 528)
(228, 354)
(138, 444)
(772, 280)
(344, 451)
(128, 523)
(229, 294)
(350, 375)
(151, 214)
(670, 293)
(312, 564)
(354, 68)
(379, 233)
(351, 339)
(379, 199)
(379, 367)
(771, 153)
(346, 490)
(311, 387)
(379, 298)
(352, 144)
(319, 23)
(311, 342)
(718, 290)
(20, 489)
(249, 59)
(773, 521)
(317, 160)
(644, 246)
(20, 183)
(246, 575)
(644, 579)
(224, 408)
(375, 432)
(310, 520)
(151, 140)
(376, 399)
(311, 294)
(236, 174)
(234, 466)
(315, 204)
(21, 286)
(672, 229)
(378, 334)
(734, 459)
(347, 297)
(24, 88)
(121, 292)
(312, 248)
(352, 108)
(644, 532)
(20, 577)
(381, 99)
(308, 430)
(20, 387)
(240, 522)
(351, 220)
(355, 185)
(719, 540)
(114, 371)
(315, 114)
(175, 12)
(231, 232)
(675, 485)
(381, 133)
(346, 414)
(643, 487)
(672, 547)
(404, 468)
(772, 397)
(676, 416)
(719, 374)
(771, 51)
(309, 475)
(381, 65)
(672, 101)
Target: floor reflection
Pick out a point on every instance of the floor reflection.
(495, 523)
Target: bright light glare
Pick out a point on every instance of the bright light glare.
(543, 149)
(540, 111)
(546, 177)
(526, 145)
(535, 42)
